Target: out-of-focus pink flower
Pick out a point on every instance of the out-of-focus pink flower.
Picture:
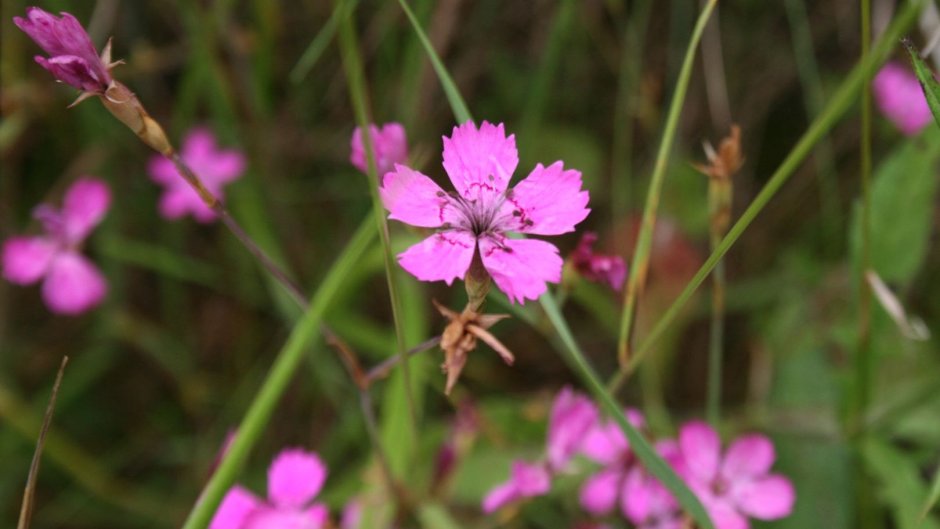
(352, 515)
(389, 143)
(215, 167)
(480, 163)
(527, 480)
(572, 416)
(295, 477)
(606, 444)
(901, 99)
(735, 485)
(609, 269)
(72, 56)
(646, 502)
(72, 284)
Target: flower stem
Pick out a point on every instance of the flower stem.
(282, 371)
(837, 106)
(355, 77)
(641, 254)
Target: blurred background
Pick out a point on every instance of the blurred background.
(167, 365)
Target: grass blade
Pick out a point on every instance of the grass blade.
(641, 255)
(319, 43)
(927, 81)
(26, 509)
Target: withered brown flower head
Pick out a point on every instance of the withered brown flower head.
(726, 162)
(460, 337)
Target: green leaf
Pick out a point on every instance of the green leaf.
(927, 81)
(933, 497)
(902, 209)
(901, 486)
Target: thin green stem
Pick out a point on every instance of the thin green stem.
(277, 380)
(716, 340)
(838, 105)
(641, 254)
(355, 77)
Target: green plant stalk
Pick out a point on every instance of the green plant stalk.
(355, 78)
(277, 380)
(651, 461)
(641, 254)
(319, 43)
(551, 55)
(808, 70)
(838, 105)
(716, 337)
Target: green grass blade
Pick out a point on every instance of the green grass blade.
(932, 497)
(277, 380)
(837, 106)
(651, 460)
(319, 43)
(447, 83)
(927, 81)
(641, 255)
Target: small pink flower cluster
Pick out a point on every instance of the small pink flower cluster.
(733, 485)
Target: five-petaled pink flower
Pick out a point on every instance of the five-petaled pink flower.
(597, 267)
(215, 167)
(294, 479)
(737, 485)
(389, 143)
(72, 283)
(901, 99)
(482, 212)
(72, 56)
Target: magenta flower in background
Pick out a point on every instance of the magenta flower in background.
(71, 283)
(527, 480)
(738, 484)
(901, 99)
(72, 56)
(613, 484)
(483, 210)
(389, 143)
(609, 269)
(294, 480)
(572, 416)
(215, 167)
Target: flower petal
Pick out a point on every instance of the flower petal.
(500, 495)
(749, 456)
(415, 199)
(237, 504)
(73, 71)
(767, 498)
(389, 143)
(83, 207)
(548, 202)
(295, 477)
(443, 256)
(286, 518)
(26, 259)
(531, 479)
(605, 443)
(572, 416)
(724, 516)
(480, 161)
(521, 267)
(73, 284)
(901, 99)
(162, 171)
(599, 492)
(700, 449)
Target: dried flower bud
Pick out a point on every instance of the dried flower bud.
(460, 338)
(125, 106)
(720, 169)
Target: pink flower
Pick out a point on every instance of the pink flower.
(901, 99)
(215, 167)
(572, 416)
(737, 485)
(527, 480)
(483, 210)
(389, 144)
(597, 267)
(72, 283)
(352, 515)
(620, 474)
(72, 56)
(294, 479)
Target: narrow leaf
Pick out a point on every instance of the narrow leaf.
(933, 497)
(927, 81)
(26, 509)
